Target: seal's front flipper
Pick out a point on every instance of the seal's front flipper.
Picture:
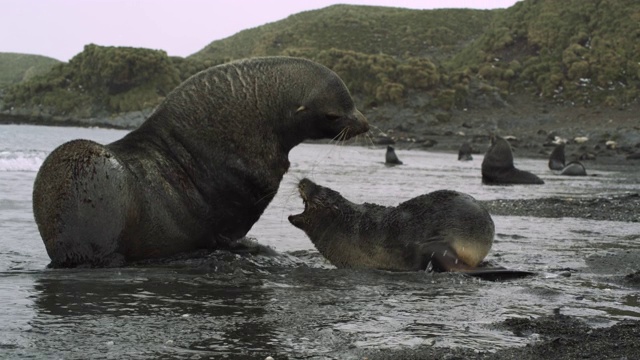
(250, 246)
(443, 258)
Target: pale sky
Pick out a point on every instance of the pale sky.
(60, 28)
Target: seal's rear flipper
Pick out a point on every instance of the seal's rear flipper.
(498, 274)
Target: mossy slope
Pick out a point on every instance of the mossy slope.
(585, 51)
(15, 68)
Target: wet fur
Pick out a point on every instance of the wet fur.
(198, 173)
(408, 237)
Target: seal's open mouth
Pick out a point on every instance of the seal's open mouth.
(299, 219)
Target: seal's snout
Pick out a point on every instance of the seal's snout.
(296, 220)
(306, 188)
(360, 123)
(362, 120)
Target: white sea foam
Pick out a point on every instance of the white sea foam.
(21, 160)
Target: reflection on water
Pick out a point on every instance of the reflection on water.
(154, 311)
(296, 304)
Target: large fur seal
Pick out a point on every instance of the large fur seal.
(497, 166)
(390, 157)
(198, 173)
(443, 230)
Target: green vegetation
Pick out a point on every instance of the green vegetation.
(577, 50)
(15, 68)
(583, 51)
(105, 79)
(364, 29)
(111, 79)
(378, 77)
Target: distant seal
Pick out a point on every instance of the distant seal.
(464, 153)
(198, 173)
(497, 166)
(390, 158)
(633, 156)
(574, 168)
(443, 230)
(556, 159)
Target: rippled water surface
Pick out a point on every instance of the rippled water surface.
(297, 305)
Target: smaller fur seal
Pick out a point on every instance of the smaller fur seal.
(498, 169)
(391, 158)
(574, 168)
(556, 159)
(443, 230)
(464, 153)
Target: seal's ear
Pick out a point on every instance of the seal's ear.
(301, 108)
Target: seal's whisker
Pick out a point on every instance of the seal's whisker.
(340, 137)
(370, 138)
(367, 139)
(290, 198)
(376, 128)
(267, 195)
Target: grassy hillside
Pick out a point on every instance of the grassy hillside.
(105, 79)
(381, 53)
(15, 68)
(571, 50)
(362, 29)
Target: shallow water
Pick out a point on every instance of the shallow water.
(297, 305)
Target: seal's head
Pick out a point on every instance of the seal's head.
(326, 109)
(319, 203)
(499, 154)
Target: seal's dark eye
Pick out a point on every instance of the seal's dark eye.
(332, 117)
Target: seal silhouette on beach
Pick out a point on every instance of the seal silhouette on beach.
(198, 173)
(464, 153)
(633, 156)
(498, 168)
(390, 157)
(556, 159)
(443, 230)
(574, 168)
(557, 162)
